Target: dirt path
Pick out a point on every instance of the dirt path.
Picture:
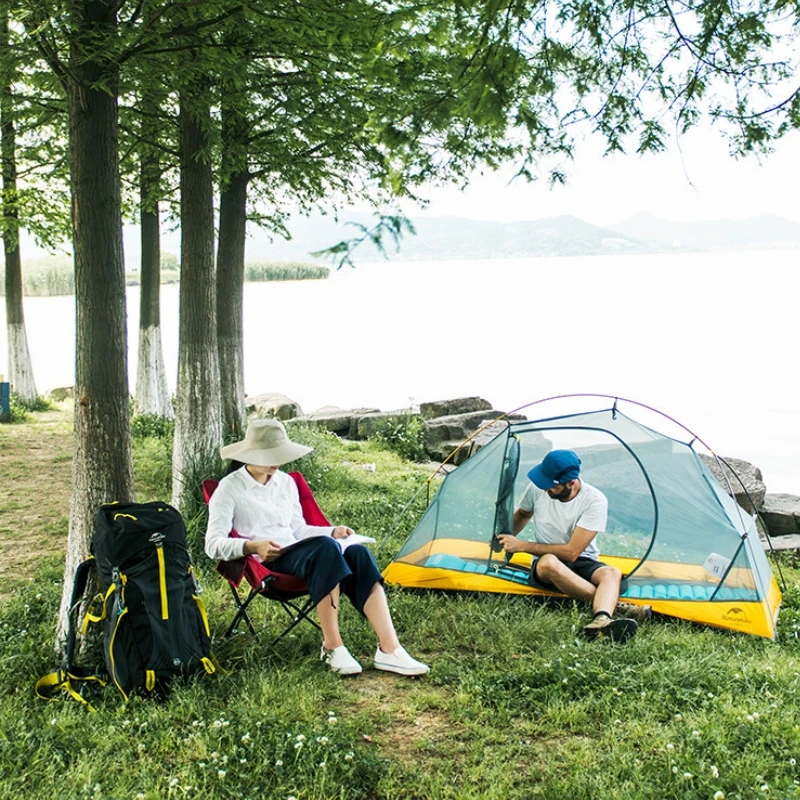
(35, 480)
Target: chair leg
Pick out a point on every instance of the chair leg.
(298, 615)
(241, 613)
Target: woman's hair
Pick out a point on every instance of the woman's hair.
(233, 466)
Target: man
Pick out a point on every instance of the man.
(567, 515)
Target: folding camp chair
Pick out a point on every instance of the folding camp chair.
(264, 582)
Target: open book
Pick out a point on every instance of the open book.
(354, 538)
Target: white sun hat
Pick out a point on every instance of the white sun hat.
(265, 445)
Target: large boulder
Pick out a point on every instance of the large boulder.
(340, 421)
(368, 425)
(781, 514)
(457, 427)
(749, 486)
(487, 430)
(446, 408)
(61, 393)
(273, 404)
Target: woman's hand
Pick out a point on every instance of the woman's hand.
(341, 532)
(265, 549)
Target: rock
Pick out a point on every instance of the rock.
(273, 404)
(446, 408)
(754, 489)
(62, 393)
(457, 427)
(369, 424)
(791, 542)
(781, 514)
(337, 420)
(491, 430)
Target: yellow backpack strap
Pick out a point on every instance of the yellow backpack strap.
(52, 685)
(150, 680)
(202, 609)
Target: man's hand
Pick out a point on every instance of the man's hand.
(265, 549)
(510, 543)
(341, 532)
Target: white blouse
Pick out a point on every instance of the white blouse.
(256, 511)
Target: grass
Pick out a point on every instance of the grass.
(516, 704)
(54, 275)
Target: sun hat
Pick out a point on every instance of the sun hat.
(265, 444)
(558, 466)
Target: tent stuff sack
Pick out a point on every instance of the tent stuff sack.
(154, 624)
(685, 546)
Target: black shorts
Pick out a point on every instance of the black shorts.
(582, 566)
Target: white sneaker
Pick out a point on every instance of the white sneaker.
(400, 662)
(340, 660)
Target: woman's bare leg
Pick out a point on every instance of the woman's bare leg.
(376, 610)
(328, 613)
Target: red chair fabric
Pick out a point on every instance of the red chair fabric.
(264, 582)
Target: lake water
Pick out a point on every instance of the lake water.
(708, 338)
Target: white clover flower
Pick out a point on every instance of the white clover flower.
(675, 770)
(348, 756)
(714, 771)
(217, 723)
(173, 782)
(670, 746)
(221, 773)
(687, 776)
(245, 738)
(242, 760)
(322, 764)
(53, 721)
(764, 787)
(291, 797)
(696, 734)
(331, 713)
(563, 680)
(719, 795)
(279, 763)
(300, 737)
(750, 718)
(323, 739)
(298, 745)
(215, 755)
(225, 723)
(678, 717)
(141, 747)
(201, 764)
(140, 796)
(792, 762)
(332, 720)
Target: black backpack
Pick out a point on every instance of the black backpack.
(155, 626)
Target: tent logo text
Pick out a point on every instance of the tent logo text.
(735, 614)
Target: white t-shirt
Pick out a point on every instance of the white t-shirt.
(554, 522)
(256, 511)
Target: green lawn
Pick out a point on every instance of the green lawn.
(516, 704)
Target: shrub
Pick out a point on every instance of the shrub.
(288, 271)
(152, 426)
(405, 435)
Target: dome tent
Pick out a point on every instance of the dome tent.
(685, 546)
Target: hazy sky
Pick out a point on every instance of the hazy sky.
(697, 180)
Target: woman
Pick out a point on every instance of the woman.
(263, 505)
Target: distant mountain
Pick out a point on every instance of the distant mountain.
(766, 230)
(458, 238)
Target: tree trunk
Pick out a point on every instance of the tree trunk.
(152, 390)
(198, 429)
(102, 469)
(20, 371)
(230, 288)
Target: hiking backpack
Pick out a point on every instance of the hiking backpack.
(154, 624)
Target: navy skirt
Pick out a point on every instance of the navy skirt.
(320, 562)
